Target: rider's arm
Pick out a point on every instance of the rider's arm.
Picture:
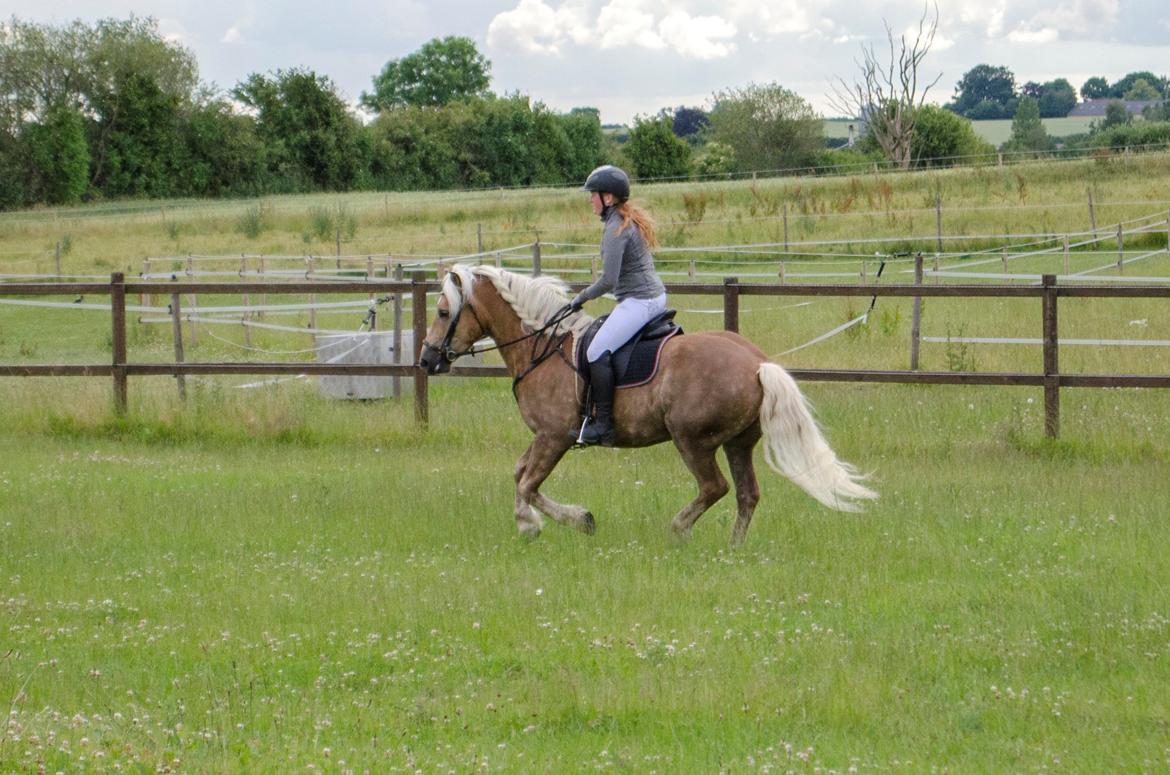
(613, 247)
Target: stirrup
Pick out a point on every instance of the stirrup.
(603, 440)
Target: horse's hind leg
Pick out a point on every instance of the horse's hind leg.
(712, 486)
(532, 469)
(747, 489)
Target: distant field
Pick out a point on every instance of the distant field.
(995, 132)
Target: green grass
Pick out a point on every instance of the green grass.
(264, 580)
(334, 587)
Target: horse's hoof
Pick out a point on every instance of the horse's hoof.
(588, 526)
(530, 532)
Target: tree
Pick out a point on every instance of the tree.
(689, 122)
(1095, 88)
(943, 138)
(583, 130)
(58, 157)
(224, 155)
(312, 140)
(444, 70)
(1125, 84)
(654, 150)
(982, 87)
(767, 126)
(887, 98)
(136, 139)
(103, 71)
(1057, 98)
(44, 67)
(1142, 90)
(1028, 132)
(1116, 114)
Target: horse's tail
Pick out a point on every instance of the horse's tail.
(795, 447)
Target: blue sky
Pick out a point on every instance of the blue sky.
(630, 57)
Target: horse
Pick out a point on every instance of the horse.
(712, 389)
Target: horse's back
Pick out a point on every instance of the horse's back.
(708, 383)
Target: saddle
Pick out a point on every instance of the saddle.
(636, 362)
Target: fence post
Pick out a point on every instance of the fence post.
(731, 304)
(785, 227)
(938, 219)
(1051, 361)
(177, 334)
(118, 313)
(1120, 249)
(536, 258)
(1092, 214)
(397, 381)
(916, 316)
(418, 304)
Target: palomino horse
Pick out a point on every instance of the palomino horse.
(713, 389)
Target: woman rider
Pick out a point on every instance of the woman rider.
(628, 271)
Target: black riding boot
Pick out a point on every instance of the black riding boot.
(599, 430)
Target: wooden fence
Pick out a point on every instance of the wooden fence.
(120, 369)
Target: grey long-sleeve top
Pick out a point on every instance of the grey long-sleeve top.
(627, 266)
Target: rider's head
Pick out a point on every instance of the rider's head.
(608, 179)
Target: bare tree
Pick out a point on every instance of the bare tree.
(887, 98)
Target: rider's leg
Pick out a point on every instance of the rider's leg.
(600, 430)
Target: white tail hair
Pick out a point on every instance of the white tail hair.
(795, 447)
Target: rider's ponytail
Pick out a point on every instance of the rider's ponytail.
(642, 220)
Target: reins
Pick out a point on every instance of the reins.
(552, 345)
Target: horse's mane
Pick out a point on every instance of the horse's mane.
(534, 299)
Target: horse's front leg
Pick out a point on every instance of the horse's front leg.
(532, 469)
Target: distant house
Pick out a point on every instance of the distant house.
(1096, 108)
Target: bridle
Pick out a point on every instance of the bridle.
(450, 354)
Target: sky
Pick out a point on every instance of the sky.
(636, 57)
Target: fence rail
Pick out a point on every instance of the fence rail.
(1050, 378)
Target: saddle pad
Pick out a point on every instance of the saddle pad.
(635, 363)
(643, 362)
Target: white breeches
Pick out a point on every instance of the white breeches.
(621, 325)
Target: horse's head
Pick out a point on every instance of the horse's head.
(456, 326)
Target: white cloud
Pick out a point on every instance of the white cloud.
(625, 23)
(235, 33)
(1033, 36)
(538, 28)
(1091, 19)
(698, 36)
(772, 18)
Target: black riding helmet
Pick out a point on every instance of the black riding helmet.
(609, 179)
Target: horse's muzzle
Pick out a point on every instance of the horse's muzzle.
(434, 361)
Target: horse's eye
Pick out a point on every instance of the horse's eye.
(444, 313)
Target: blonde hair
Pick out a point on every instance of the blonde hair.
(642, 220)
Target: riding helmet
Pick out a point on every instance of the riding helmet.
(608, 179)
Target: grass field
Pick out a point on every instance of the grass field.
(267, 581)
